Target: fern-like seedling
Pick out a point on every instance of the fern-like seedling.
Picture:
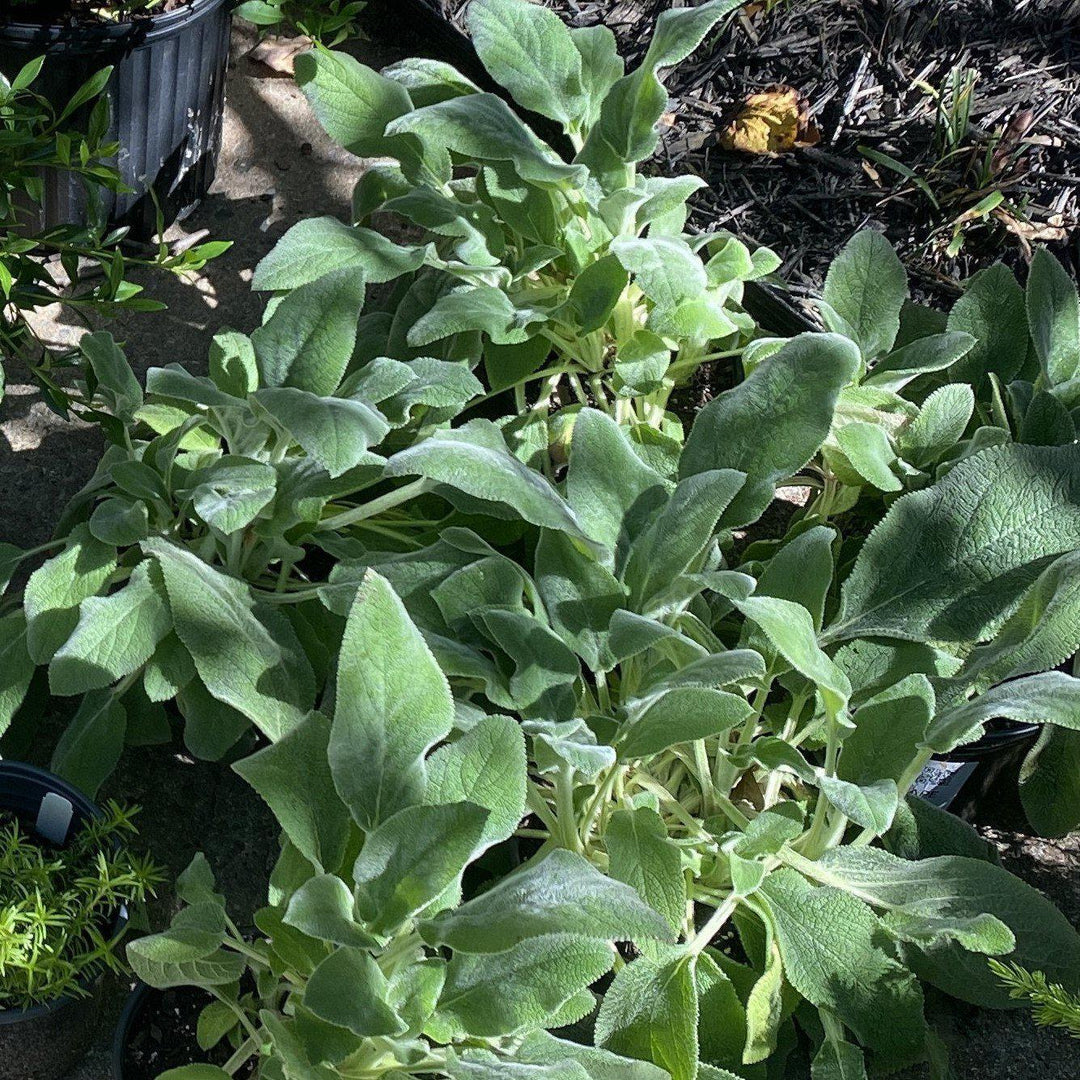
(1052, 1005)
(58, 906)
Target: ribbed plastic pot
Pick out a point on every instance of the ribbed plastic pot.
(44, 1042)
(133, 1008)
(167, 95)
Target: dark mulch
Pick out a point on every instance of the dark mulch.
(866, 68)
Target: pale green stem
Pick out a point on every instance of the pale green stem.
(376, 506)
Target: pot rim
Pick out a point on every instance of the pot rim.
(136, 999)
(145, 29)
(82, 802)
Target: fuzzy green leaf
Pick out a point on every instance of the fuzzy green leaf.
(561, 894)
(774, 422)
(293, 778)
(393, 705)
(309, 339)
(867, 286)
(949, 562)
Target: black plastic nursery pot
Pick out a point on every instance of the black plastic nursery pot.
(167, 98)
(44, 1042)
(157, 1032)
(961, 781)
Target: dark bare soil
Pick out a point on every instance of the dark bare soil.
(163, 1035)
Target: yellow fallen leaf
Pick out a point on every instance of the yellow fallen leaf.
(772, 121)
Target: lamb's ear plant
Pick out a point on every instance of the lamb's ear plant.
(39, 136)
(933, 387)
(738, 742)
(58, 906)
(570, 280)
(189, 569)
(371, 959)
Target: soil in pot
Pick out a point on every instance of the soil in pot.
(162, 1036)
(57, 12)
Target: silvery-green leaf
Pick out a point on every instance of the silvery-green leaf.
(293, 778)
(870, 807)
(674, 540)
(244, 661)
(336, 431)
(1048, 698)
(115, 634)
(16, 666)
(349, 989)
(715, 670)
(544, 668)
(529, 50)
(889, 728)
(834, 954)
(601, 67)
(557, 743)
(919, 357)
(869, 451)
(580, 595)
(641, 364)
(232, 363)
(232, 492)
(721, 1016)
(1053, 312)
(1047, 422)
(542, 1048)
(482, 127)
(611, 489)
(641, 854)
(682, 714)
(486, 766)
(625, 130)
(948, 563)
(472, 307)
(355, 104)
(596, 291)
(480, 1065)
(943, 418)
(493, 994)
(92, 743)
(867, 286)
(956, 890)
(562, 893)
(838, 1060)
(315, 247)
(55, 590)
(323, 908)
(392, 705)
(1050, 782)
(650, 1012)
(790, 628)
(116, 382)
(992, 311)
(774, 422)
(189, 953)
(665, 268)
(120, 522)
(429, 80)
(409, 859)
(474, 459)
